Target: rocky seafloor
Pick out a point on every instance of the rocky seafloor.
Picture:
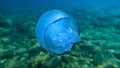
(99, 47)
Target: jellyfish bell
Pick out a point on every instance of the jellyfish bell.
(57, 32)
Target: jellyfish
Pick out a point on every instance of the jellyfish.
(57, 32)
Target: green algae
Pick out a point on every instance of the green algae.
(99, 47)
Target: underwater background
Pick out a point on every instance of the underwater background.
(99, 30)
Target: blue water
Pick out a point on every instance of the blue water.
(99, 45)
(96, 4)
